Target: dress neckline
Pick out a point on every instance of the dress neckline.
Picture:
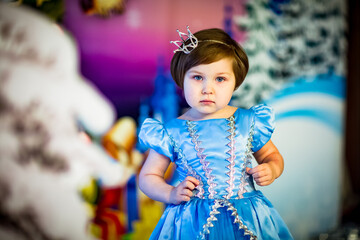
(210, 119)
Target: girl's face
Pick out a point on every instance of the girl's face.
(208, 88)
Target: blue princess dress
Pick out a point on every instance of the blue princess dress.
(225, 204)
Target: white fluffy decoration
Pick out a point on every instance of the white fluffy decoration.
(44, 162)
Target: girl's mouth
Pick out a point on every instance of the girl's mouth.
(206, 102)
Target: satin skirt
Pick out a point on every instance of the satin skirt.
(255, 216)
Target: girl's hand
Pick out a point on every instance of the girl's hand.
(271, 165)
(183, 191)
(263, 174)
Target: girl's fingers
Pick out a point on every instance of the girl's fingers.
(259, 174)
(264, 183)
(185, 198)
(189, 185)
(256, 170)
(187, 192)
(262, 179)
(255, 175)
(192, 180)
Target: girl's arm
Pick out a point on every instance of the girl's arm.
(152, 182)
(271, 165)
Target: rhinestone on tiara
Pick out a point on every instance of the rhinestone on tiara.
(182, 46)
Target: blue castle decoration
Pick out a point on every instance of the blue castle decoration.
(163, 104)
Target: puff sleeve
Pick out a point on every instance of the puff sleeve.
(264, 124)
(153, 135)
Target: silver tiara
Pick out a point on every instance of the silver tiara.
(182, 46)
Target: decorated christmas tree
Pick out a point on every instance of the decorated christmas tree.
(288, 40)
(260, 38)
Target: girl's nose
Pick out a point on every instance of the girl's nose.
(207, 88)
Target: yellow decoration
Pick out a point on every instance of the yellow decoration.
(120, 140)
(40, 2)
(90, 209)
(90, 192)
(95, 230)
(105, 8)
(123, 133)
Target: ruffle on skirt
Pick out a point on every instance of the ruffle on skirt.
(252, 217)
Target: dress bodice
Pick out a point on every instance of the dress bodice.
(215, 151)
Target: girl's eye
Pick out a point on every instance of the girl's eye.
(220, 79)
(197, 77)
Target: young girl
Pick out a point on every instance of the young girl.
(212, 145)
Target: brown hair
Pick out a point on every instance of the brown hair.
(213, 45)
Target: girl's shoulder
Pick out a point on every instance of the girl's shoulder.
(254, 113)
(262, 109)
(175, 125)
(153, 134)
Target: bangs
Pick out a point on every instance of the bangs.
(213, 53)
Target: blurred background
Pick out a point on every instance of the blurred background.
(304, 57)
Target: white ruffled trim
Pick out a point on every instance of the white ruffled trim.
(231, 159)
(246, 162)
(202, 157)
(190, 170)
